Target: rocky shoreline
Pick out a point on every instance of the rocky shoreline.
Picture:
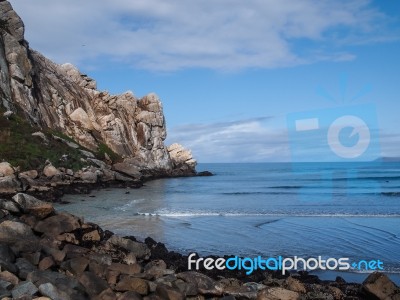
(45, 254)
(52, 183)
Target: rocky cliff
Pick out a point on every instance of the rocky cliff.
(60, 98)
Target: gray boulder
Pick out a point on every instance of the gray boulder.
(31, 205)
(380, 286)
(140, 250)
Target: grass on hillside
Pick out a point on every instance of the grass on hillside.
(20, 148)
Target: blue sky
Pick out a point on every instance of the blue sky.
(229, 72)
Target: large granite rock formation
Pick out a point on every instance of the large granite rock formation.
(61, 98)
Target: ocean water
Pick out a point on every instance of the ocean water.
(268, 209)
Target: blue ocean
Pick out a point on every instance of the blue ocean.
(269, 209)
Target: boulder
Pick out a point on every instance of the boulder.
(278, 293)
(61, 281)
(50, 171)
(294, 285)
(41, 135)
(130, 296)
(107, 294)
(32, 174)
(8, 114)
(92, 236)
(11, 232)
(167, 292)
(46, 263)
(380, 286)
(140, 250)
(204, 284)
(9, 206)
(7, 259)
(75, 266)
(58, 224)
(33, 206)
(133, 284)
(6, 169)
(9, 277)
(24, 267)
(181, 156)
(24, 288)
(125, 269)
(89, 176)
(93, 284)
(49, 290)
(128, 169)
(9, 184)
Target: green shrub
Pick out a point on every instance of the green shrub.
(20, 148)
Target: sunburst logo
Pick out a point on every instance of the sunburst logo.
(344, 133)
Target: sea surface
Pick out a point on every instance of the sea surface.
(268, 209)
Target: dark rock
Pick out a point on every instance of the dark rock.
(130, 296)
(98, 269)
(61, 281)
(380, 286)
(58, 224)
(50, 247)
(204, 173)
(24, 288)
(9, 185)
(106, 295)
(49, 290)
(75, 265)
(12, 232)
(93, 284)
(294, 285)
(278, 293)
(33, 258)
(72, 251)
(31, 205)
(125, 269)
(112, 277)
(92, 236)
(140, 250)
(340, 280)
(133, 284)
(6, 254)
(24, 267)
(169, 293)
(46, 263)
(103, 259)
(5, 285)
(9, 277)
(157, 268)
(9, 206)
(4, 293)
(205, 284)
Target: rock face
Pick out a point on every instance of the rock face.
(59, 97)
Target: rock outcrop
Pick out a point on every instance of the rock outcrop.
(59, 97)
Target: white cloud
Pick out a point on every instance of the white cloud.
(223, 34)
(255, 140)
(238, 141)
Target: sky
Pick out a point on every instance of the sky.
(233, 75)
